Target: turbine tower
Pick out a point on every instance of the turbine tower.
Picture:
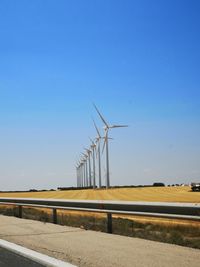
(93, 147)
(86, 169)
(81, 173)
(107, 127)
(89, 152)
(80, 176)
(77, 175)
(83, 164)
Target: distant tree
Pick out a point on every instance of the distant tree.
(158, 184)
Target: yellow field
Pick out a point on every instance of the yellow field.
(154, 194)
(159, 194)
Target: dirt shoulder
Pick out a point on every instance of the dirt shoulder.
(88, 248)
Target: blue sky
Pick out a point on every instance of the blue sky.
(139, 61)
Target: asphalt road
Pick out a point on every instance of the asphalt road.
(10, 259)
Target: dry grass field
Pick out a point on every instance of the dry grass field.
(155, 194)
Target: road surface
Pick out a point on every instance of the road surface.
(88, 248)
(10, 259)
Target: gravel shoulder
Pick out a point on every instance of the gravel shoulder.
(88, 248)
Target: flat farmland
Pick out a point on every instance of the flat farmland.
(154, 194)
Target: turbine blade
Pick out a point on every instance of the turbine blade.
(96, 128)
(96, 152)
(96, 144)
(101, 116)
(104, 143)
(118, 126)
(92, 141)
(105, 140)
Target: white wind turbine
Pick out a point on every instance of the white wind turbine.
(86, 168)
(107, 127)
(89, 152)
(78, 168)
(98, 142)
(77, 175)
(84, 171)
(93, 147)
(81, 167)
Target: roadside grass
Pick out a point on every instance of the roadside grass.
(179, 234)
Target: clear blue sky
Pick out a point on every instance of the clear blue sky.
(139, 61)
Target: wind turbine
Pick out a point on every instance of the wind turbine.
(86, 168)
(77, 165)
(89, 165)
(81, 173)
(98, 142)
(83, 170)
(107, 127)
(77, 175)
(93, 147)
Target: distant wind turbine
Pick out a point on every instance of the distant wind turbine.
(77, 175)
(81, 167)
(89, 152)
(98, 142)
(107, 127)
(83, 162)
(86, 168)
(93, 147)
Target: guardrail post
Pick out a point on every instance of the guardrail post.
(20, 212)
(109, 223)
(55, 216)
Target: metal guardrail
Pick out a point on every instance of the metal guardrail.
(189, 211)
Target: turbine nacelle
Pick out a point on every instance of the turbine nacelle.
(85, 155)
(93, 145)
(88, 151)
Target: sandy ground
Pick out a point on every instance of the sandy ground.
(159, 194)
(89, 249)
